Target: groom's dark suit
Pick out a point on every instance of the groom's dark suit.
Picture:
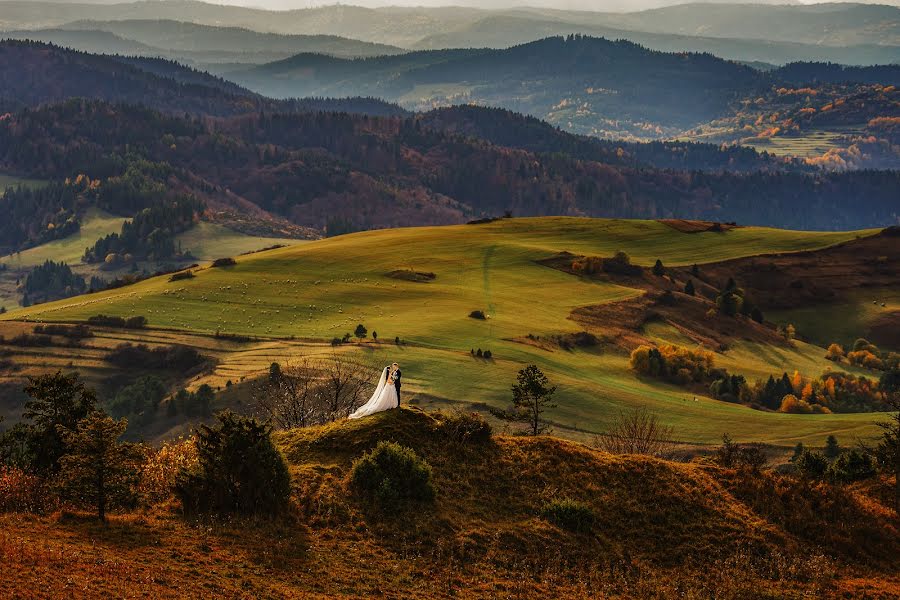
(397, 376)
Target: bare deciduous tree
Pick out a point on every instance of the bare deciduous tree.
(289, 395)
(312, 391)
(637, 431)
(343, 385)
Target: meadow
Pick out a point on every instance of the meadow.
(815, 142)
(295, 300)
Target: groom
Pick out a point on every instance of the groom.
(396, 368)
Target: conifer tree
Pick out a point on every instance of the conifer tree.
(97, 469)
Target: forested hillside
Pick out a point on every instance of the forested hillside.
(316, 168)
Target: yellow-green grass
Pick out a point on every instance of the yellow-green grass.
(320, 290)
(94, 225)
(809, 144)
(209, 241)
(843, 322)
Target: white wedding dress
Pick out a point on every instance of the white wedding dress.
(384, 398)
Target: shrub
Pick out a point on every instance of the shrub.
(391, 474)
(620, 264)
(835, 353)
(179, 359)
(569, 514)
(75, 332)
(811, 465)
(658, 269)
(466, 427)
(239, 470)
(161, 469)
(852, 465)
(137, 322)
(478, 314)
(689, 288)
(23, 492)
(182, 275)
(735, 456)
(224, 262)
(488, 354)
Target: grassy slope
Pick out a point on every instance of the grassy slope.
(94, 225)
(663, 530)
(322, 289)
(843, 322)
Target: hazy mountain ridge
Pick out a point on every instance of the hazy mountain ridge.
(834, 24)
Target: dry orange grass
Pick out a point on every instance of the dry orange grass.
(662, 530)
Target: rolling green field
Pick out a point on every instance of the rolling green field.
(94, 225)
(208, 241)
(843, 322)
(319, 290)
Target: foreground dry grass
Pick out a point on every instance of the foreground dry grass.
(663, 530)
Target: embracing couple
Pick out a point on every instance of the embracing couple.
(386, 396)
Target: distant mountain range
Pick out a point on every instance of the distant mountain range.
(33, 74)
(751, 32)
(587, 85)
(361, 163)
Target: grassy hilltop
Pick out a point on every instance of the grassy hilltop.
(295, 300)
(661, 530)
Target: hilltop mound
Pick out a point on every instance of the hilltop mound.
(661, 529)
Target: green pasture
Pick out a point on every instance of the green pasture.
(209, 241)
(843, 322)
(322, 289)
(94, 225)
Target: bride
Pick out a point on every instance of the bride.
(384, 398)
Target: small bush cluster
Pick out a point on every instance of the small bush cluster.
(161, 469)
(75, 332)
(466, 427)
(182, 275)
(224, 262)
(137, 322)
(180, 359)
(732, 455)
(392, 474)
(569, 514)
(479, 353)
(673, 363)
(849, 466)
(478, 314)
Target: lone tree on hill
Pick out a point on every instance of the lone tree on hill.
(97, 469)
(532, 395)
(832, 448)
(361, 332)
(658, 268)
